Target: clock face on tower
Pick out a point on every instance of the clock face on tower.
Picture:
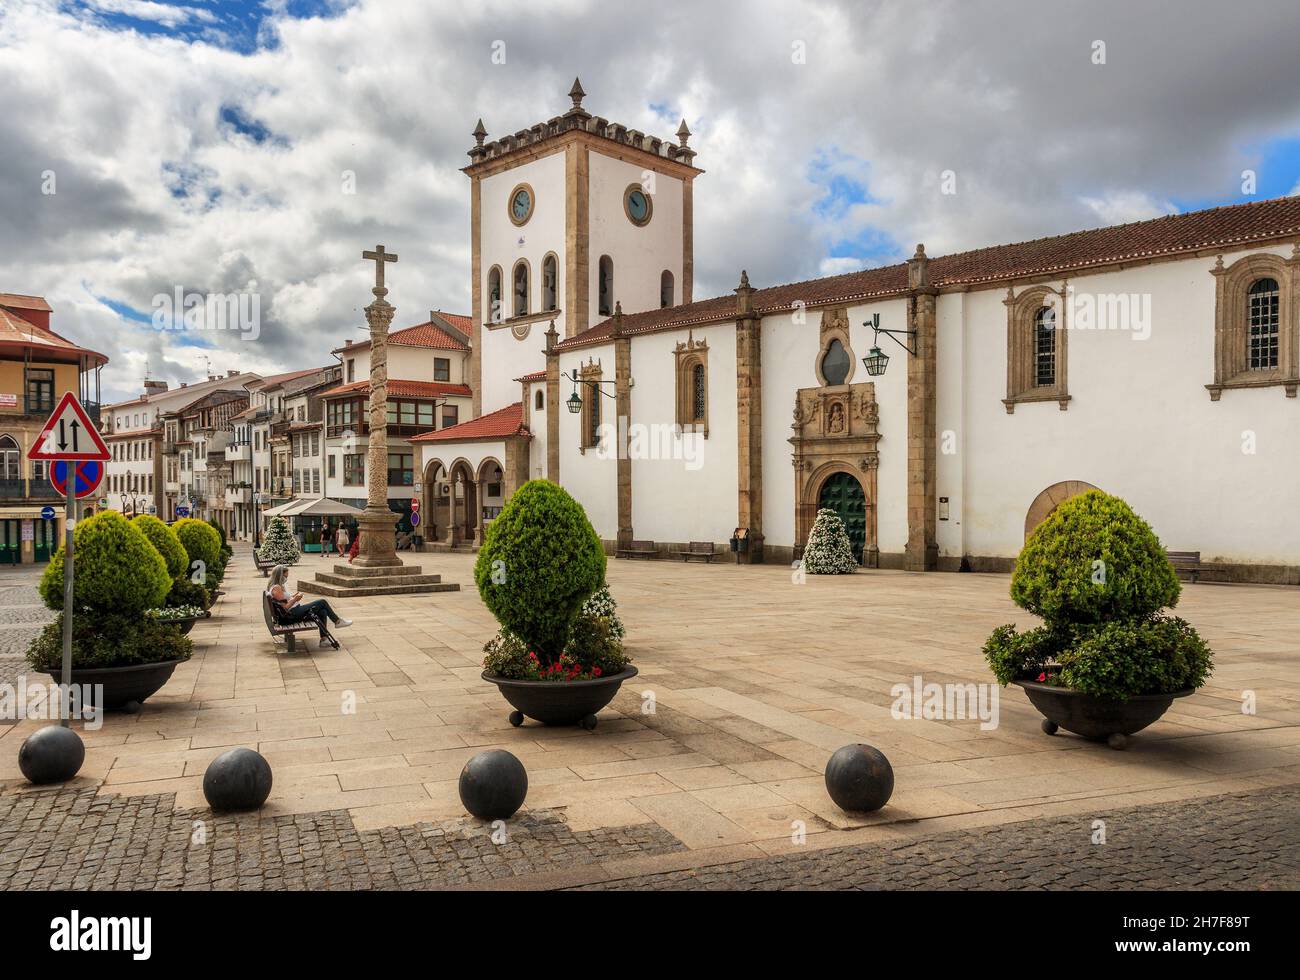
(520, 204)
(636, 202)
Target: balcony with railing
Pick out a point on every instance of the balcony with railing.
(239, 452)
(13, 491)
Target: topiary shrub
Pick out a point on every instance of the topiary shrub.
(166, 542)
(539, 562)
(828, 551)
(1097, 575)
(109, 641)
(187, 593)
(278, 545)
(201, 544)
(117, 569)
(119, 576)
(1093, 560)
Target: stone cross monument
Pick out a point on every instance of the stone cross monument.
(377, 570)
(377, 523)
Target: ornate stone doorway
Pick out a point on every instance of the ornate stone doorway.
(842, 493)
(836, 460)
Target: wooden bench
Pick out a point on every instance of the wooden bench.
(698, 549)
(637, 549)
(263, 566)
(287, 630)
(1185, 561)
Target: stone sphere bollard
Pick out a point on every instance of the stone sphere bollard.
(493, 785)
(52, 754)
(859, 778)
(237, 780)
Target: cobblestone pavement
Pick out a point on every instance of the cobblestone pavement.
(73, 839)
(22, 616)
(1235, 842)
(64, 838)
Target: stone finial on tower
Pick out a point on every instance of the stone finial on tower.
(744, 295)
(918, 269)
(479, 150)
(552, 338)
(577, 94)
(616, 328)
(682, 151)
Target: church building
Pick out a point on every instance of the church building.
(942, 406)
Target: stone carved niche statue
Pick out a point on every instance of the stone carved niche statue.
(835, 421)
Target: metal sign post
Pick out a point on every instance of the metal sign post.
(71, 439)
(70, 523)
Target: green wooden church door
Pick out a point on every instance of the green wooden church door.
(843, 494)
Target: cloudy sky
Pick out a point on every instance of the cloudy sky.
(203, 145)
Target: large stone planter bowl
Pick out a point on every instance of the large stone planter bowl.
(560, 702)
(186, 624)
(1098, 719)
(124, 688)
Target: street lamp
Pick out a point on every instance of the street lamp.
(877, 360)
(574, 401)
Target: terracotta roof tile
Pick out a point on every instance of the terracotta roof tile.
(426, 334)
(508, 421)
(15, 330)
(1227, 227)
(404, 389)
(535, 376)
(19, 301)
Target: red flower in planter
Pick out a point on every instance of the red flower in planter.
(595, 671)
(1042, 677)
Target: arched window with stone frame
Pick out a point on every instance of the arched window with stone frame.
(589, 389)
(494, 295)
(666, 293)
(520, 286)
(550, 282)
(605, 286)
(692, 374)
(1257, 323)
(1037, 347)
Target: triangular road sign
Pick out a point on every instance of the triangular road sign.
(69, 434)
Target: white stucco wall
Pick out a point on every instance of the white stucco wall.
(537, 425)
(1140, 425)
(503, 244)
(790, 353)
(683, 485)
(591, 479)
(640, 253)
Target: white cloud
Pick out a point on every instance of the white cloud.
(1040, 140)
(1124, 206)
(166, 14)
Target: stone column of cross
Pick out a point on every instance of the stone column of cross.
(377, 535)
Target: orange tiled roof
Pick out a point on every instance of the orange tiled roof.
(19, 301)
(1227, 227)
(508, 421)
(15, 330)
(535, 376)
(427, 334)
(404, 389)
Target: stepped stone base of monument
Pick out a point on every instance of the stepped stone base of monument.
(351, 581)
(442, 547)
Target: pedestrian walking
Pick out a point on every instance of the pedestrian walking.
(326, 536)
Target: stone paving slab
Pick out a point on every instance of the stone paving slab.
(748, 683)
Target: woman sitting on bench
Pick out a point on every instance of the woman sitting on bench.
(289, 608)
